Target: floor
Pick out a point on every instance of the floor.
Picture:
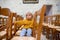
(43, 37)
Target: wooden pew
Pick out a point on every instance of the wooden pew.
(4, 12)
(54, 19)
(18, 19)
(56, 23)
(12, 27)
(52, 26)
(3, 28)
(57, 20)
(9, 29)
(36, 29)
(39, 27)
(17, 27)
(2, 23)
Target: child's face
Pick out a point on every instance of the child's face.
(29, 16)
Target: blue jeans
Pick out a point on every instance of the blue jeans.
(26, 32)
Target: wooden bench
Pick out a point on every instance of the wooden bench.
(12, 27)
(52, 26)
(9, 32)
(41, 13)
(36, 29)
(9, 35)
(2, 23)
(4, 12)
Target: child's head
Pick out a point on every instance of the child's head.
(29, 16)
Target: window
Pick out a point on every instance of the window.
(30, 1)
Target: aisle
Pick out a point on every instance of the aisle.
(28, 38)
(23, 38)
(17, 37)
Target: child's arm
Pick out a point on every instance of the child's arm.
(19, 22)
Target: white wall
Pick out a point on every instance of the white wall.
(20, 8)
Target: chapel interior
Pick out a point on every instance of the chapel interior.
(48, 19)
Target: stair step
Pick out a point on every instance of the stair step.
(23, 38)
